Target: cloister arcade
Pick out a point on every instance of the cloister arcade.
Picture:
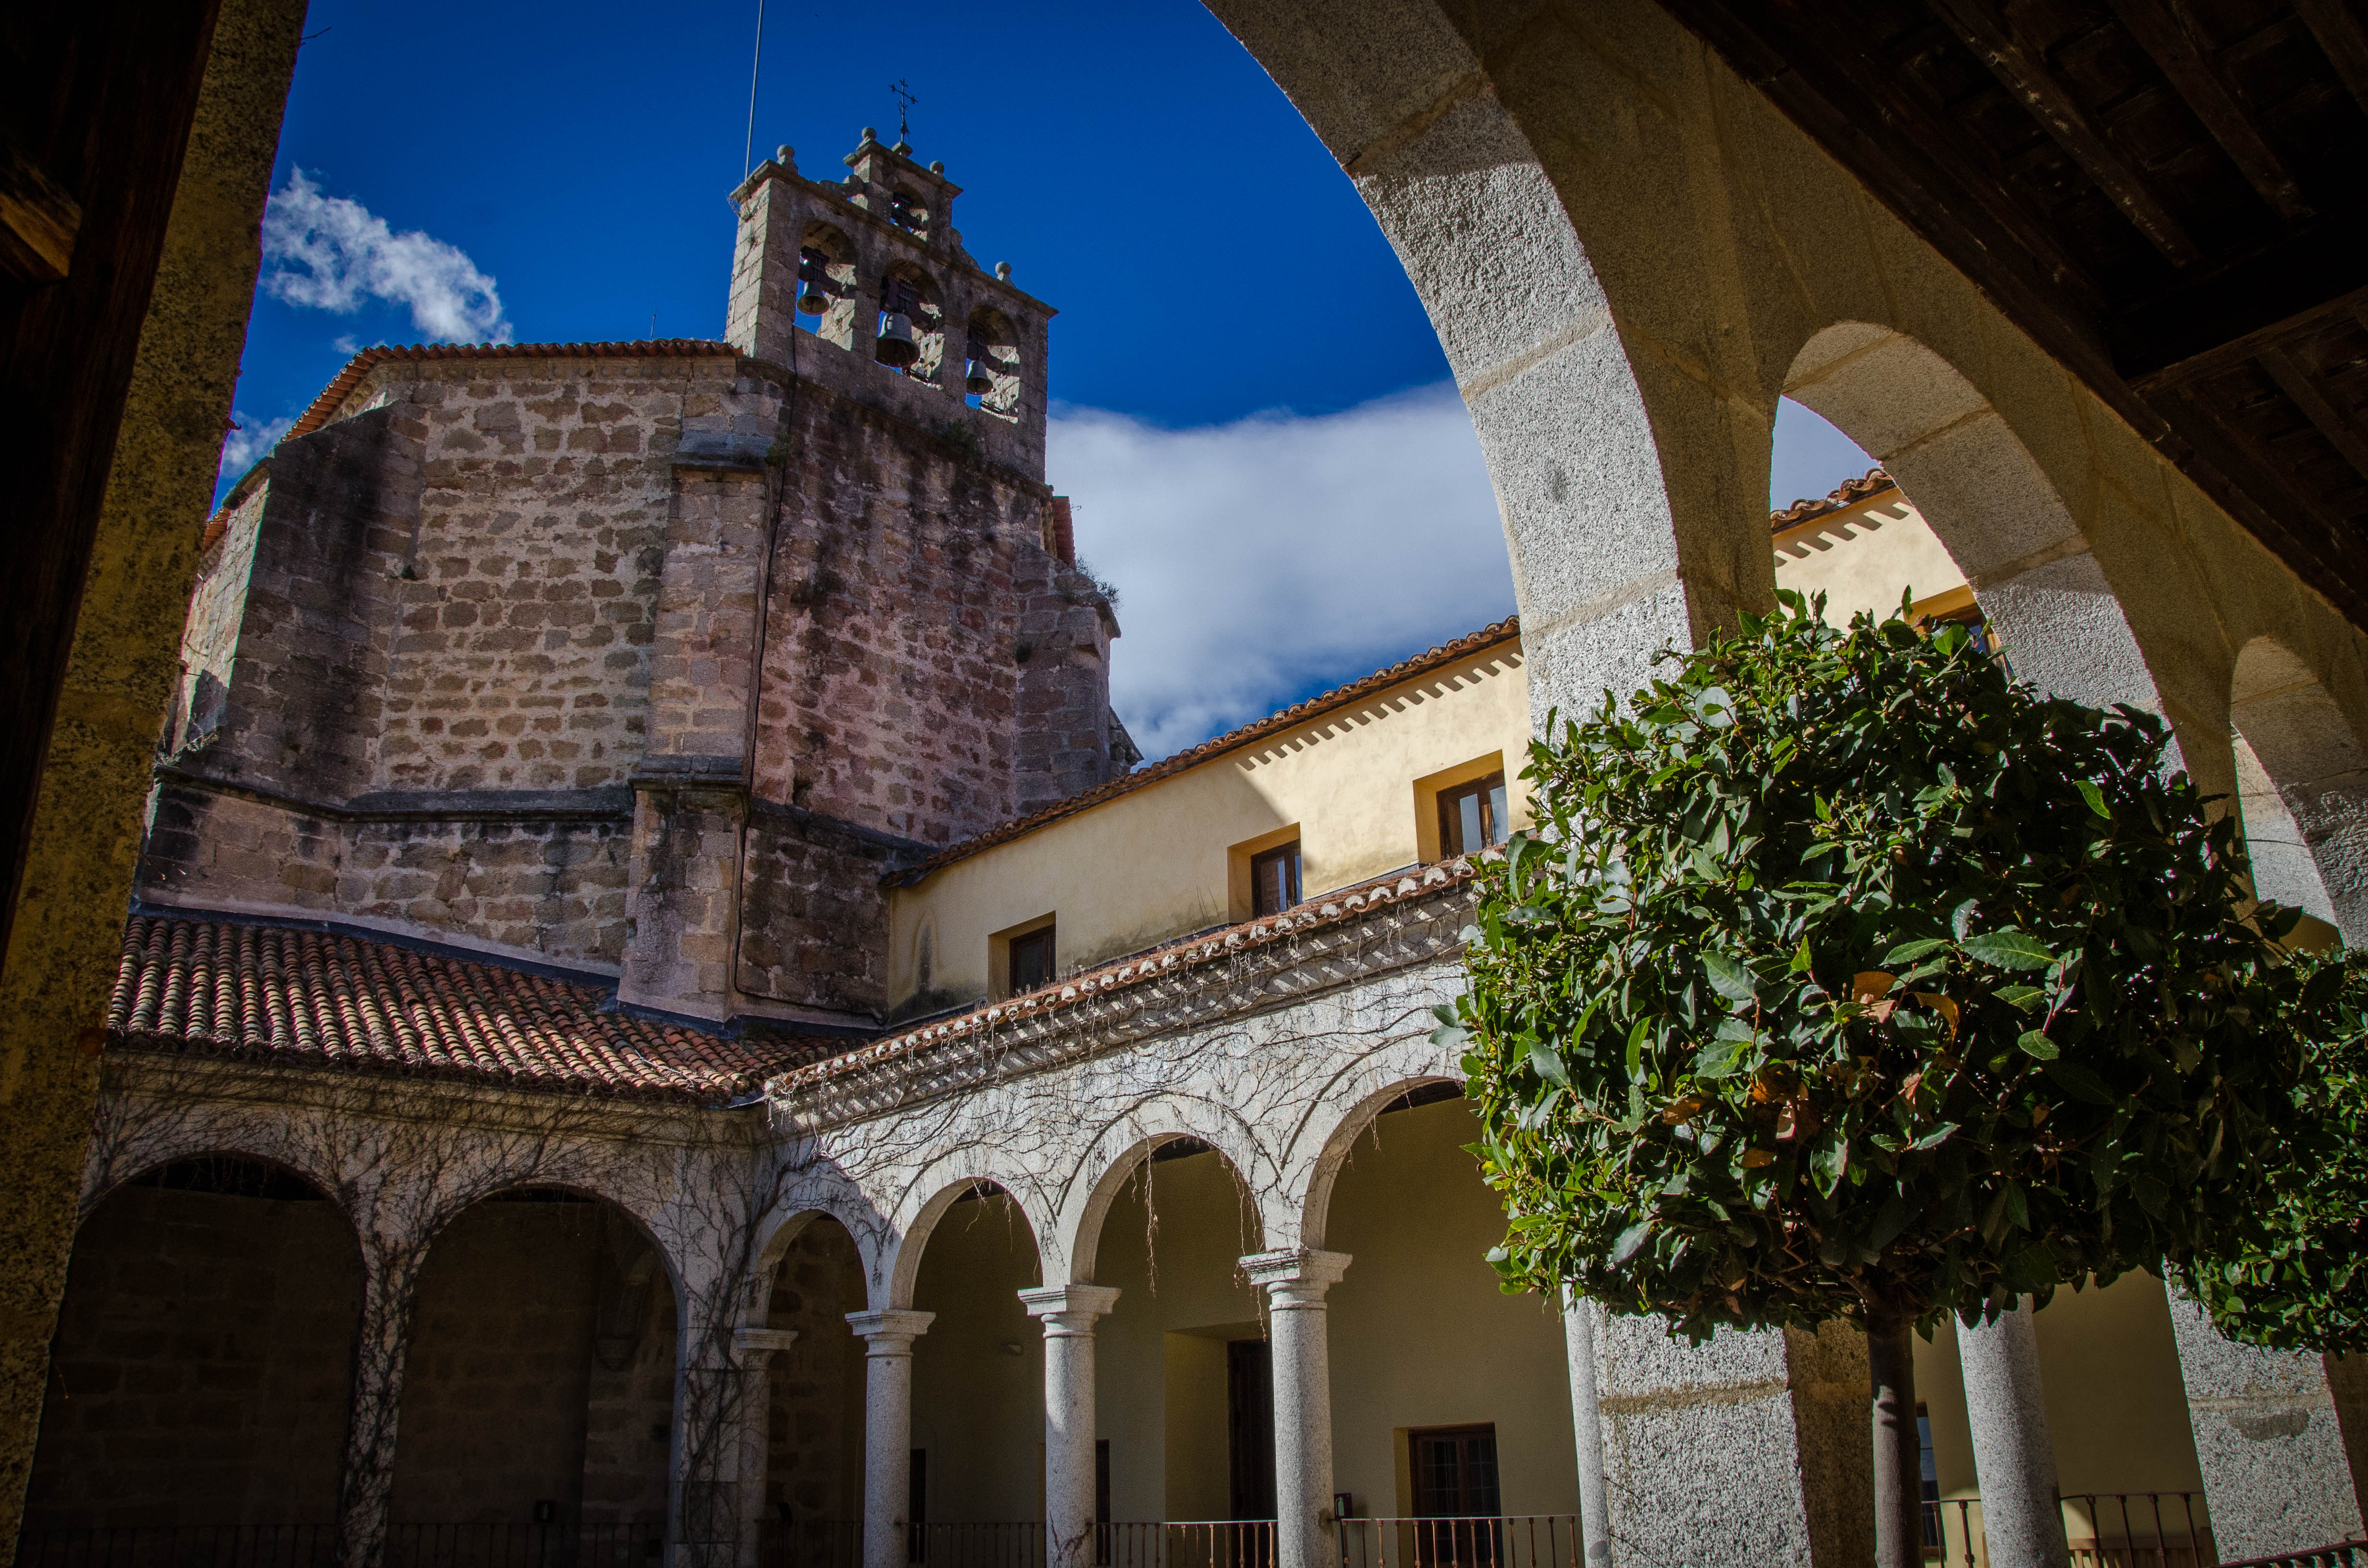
(1054, 1230)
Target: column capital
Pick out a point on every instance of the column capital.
(1068, 1310)
(754, 1346)
(1296, 1277)
(891, 1331)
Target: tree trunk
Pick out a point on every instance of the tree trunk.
(1898, 1450)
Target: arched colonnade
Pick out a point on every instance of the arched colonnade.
(1630, 256)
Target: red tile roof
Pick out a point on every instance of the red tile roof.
(260, 993)
(1210, 948)
(1505, 630)
(1875, 481)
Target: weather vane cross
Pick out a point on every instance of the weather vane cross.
(905, 102)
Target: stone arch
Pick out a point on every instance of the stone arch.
(1315, 1204)
(103, 1176)
(829, 280)
(790, 1219)
(1113, 1158)
(947, 1182)
(2303, 788)
(993, 352)
(1999, 516)
(213, 1298)
(928, 317)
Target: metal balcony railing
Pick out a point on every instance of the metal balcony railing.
(1518, 1540)
(2104, 1529)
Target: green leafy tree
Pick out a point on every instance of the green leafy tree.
(2294, 1275)
(1847, 978)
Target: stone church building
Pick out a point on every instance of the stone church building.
(664, 1021)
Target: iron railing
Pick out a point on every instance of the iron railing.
(1018, 1544)
(316, 1546)
(1186, 1543)
(2104, 1529)
(809, 1543)
(1518, 1540)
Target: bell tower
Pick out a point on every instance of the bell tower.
(862, 285)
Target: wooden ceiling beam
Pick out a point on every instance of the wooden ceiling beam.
(2205, 322)
(2340, 35)
(2342, 432)
(2164, 30)
(2024, 73)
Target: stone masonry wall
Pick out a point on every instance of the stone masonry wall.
(814, 1469)
(813, 917)
(892, 675)
(494, 1389)
(1066, 730)
(201, 1364)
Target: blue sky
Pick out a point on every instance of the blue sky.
(1244, 377)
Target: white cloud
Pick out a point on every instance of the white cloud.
(333, 253)
(1260, 559)
(250, 441)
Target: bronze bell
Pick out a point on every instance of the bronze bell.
(975, 377)
(813, 298)
(895, 346)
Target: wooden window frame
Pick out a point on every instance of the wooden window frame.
(1292, 891)
(1451, 828)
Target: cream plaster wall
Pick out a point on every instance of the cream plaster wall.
(1862, 556)
(978, 1373)
(1160, 1361)
(2116, 1405)
(1152, 864)
(1422, 1336)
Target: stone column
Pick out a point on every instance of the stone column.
(888, 1338)
(2014, 1460)
(1068, 1313)
(1752, 1447)
(754, 1349)
(2275, 1476)
(1578, 1319)
(1294, 1281)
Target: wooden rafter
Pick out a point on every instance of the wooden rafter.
(2025, 74)
(2165, 32)
(2345, 40)
(2341, 431)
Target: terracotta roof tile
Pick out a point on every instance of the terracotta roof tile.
(1141, 969)
(1446, 653)
(261, 994)
(1875, 481)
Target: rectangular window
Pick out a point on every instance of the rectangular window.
(1472, 816)
(1031, 959)
(916, 1508)
(1274, 881)
(1454, 1473)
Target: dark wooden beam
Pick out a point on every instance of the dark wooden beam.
(2022, 71)
(2341, 431)
(37, 218)
(2165, 32)
(2203, 324)
(2339, 33)
(2322, 548)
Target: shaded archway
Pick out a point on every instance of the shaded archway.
(2301, 787)
(978, 1376)
(1479, 1422)
(202, 1366)
(814, 1398)
(1184, 1414)
(554, 1308)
